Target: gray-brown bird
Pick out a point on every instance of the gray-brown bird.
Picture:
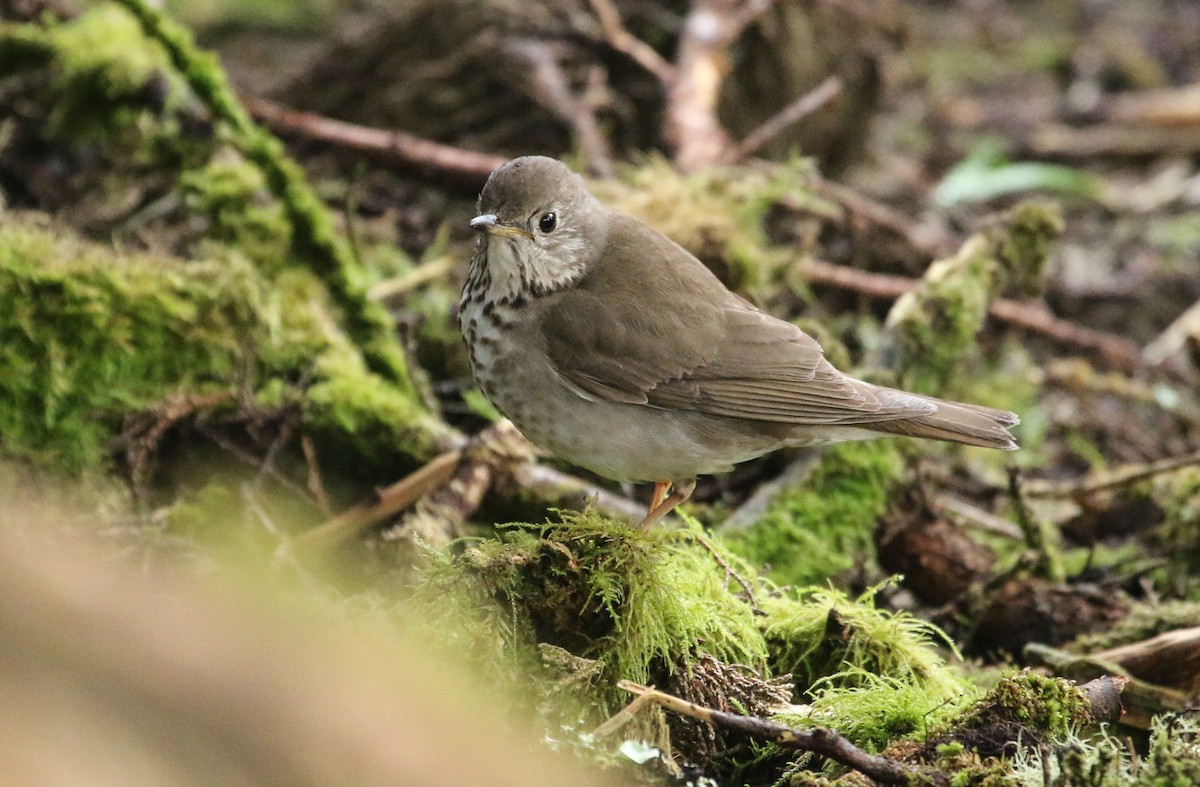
(612, 347)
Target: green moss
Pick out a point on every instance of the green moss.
(91, 335)
(935, 325)
(367, 413)
(315, 240)
(1047, 706)
(879, 710)
(1022, 240)
(823, 526)
(104, 75)
(1178, 494)
(1170, 759)
(641, 604)
(232, 196)
(828, 641)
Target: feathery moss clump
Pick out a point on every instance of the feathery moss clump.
(640, 603)
(825, 639)
(880, 710)
(823, 526)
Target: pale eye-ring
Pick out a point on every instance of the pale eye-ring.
(548, 222)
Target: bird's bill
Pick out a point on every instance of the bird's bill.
(490, 224)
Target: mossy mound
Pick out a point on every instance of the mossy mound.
(93, 335)
(653, 607)
(642, 603)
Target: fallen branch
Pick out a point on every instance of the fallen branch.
(819, 740)
(562, 489)
(1111, 139)
(389, 501)
(1137, 702)
(466, 168)
(860, 207)
(1115, 350)
(1172, 107)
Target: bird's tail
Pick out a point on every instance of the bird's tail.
(957, 422)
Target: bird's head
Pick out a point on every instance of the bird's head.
(541, 228)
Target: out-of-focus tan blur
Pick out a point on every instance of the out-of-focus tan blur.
(114, 675)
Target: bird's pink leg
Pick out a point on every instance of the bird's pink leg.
(681, 491)
(660, 494)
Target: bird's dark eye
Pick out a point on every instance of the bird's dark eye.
(548, 222)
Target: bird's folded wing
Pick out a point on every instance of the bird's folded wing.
(718, 356)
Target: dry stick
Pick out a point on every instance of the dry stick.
(440, 514)
(1111, 139)
(389, 501)
(1122, 476)
(793, 113)
(1114, 349)
(974, 516)
(622, 40)
(464, 167)
(417, 277)
(729, 571)
(550, 89)
(824, 742)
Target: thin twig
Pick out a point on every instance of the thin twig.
(1115, 350)
(861, 207)
(819, 740)
(1121, 477)
(248, 457)
(405, 151)
(1037, 531)
(729, 571)
(793, 113)
(976, 517)
(623, 41)
(622, 717)
(747, 15)
(440, 514)
(557, 487)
